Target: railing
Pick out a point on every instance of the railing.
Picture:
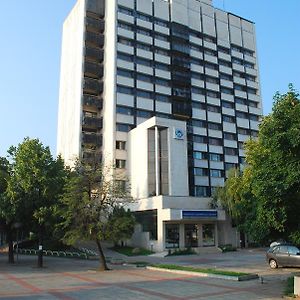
(95, 54)
(92, 86)
(92, 122)
(92, 101)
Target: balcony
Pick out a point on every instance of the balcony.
(92, 122)
(92, 101)
(94, 39)
(92, 156)
(92, 86)
(92, 139)
(182, 110)
(94, 24)
(93, 70)
(94, 54)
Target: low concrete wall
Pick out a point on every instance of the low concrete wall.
(297, 285)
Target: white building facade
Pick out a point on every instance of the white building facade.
(167, 91)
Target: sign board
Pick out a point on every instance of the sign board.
(178, 134)
(199, 214)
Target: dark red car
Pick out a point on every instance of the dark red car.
(283, 255)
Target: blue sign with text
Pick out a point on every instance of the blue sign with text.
(199, 214)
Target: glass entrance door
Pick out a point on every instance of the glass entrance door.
(191, 235)
(208, 235)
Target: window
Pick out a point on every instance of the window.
(144, 62)
(161, 66)
(225, 77)
(199, 139)
(252, 104)
(123, 127)
(161, 37)
(124, 90)
(198, 123)
(196, 90)
(240, 114)
(125, 73)
(224, 63)
(143, 114)
(121, 145)
(230, 151)
(143, 46)
(124, 110)
(212, 80)
(201, 191)
(214, 126)
(228, 119)
(240, 101)
(125, 41)
(227, 104)
(161, 23)
(226, 91)
(120, 163)
(144, 17)
(124, 26)
(145, 78)
(215, 157)
(161, 52)
(162, 98)
(229, 136)
(198, 105)
(251, 91)
(212, 94)
(125, 11)
(144, 94)
(200, 172)
(215, 173)
(249, 65)
(237, 61)
(215, 141)
(229, 166)
(254, 118)
(144, 32)
(243, 131)
(162, 82)
(125, 57)
(224, 50)
(199, 155)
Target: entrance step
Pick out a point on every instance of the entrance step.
(207, 250)
(159, 254)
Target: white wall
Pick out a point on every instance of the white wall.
(69, 112)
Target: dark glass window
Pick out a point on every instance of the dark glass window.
(124, 110)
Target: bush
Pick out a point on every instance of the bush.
(187, 251)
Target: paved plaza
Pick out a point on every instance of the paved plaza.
(78, 279)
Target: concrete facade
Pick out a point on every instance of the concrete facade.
(136, 73)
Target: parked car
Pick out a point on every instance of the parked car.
(284, 255)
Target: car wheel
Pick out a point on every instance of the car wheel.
(273, 264)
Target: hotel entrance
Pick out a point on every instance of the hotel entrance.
(191, 235)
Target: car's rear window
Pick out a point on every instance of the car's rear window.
(293, 250)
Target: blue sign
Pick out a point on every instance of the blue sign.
(199, 214)
(178, 134)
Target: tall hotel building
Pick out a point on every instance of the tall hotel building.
(167, 91)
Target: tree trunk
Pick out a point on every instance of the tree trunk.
(11, 258)
(102, 260)
(40, 245)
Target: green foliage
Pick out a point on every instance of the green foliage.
(90, 197)
(265, 200)
(35, 182)
(120, 224)
(289, 287)
(90, 207)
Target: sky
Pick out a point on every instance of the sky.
(31, 32)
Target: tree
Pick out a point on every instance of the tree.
(35, 183)
(274, 162)
(120, 224)
(91, 194)
(8, 211)
(265, 198)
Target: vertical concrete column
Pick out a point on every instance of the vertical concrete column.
(297, 285)
(200, 235)
(160, 232)
(157, 166)
(181, 236)
(216, 235)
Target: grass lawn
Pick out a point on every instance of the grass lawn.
(199, 270)
(130, 251)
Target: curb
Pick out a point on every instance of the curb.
(198, 274)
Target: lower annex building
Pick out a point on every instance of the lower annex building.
(167, 91)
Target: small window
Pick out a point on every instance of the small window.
(120, 163)
(121, 145)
